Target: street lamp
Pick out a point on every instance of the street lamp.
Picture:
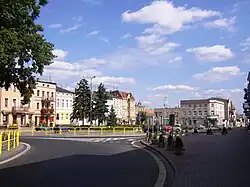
(90, 105)
(165, 109)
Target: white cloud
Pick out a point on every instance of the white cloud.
(166, 17)
(214, 53)
(60, 54)
(218, 74)
(245, 45)
(77, 24)
(105, 40)
(125, 36)
(222, 23)
(113, 81)
(175, 59)
(55, 26)
(171, 87)
(155, 44)
(93, 33)
(146, 102)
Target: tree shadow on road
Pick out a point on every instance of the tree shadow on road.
(119, 170)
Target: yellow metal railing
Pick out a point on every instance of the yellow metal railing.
(75, 131)
(8, 140)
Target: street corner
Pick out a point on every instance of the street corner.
(14, 153)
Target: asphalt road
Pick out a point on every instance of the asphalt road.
(52, 163)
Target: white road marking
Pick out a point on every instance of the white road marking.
(28, 147)
(162, 170)
(108, 139)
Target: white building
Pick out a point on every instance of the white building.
(64, 102)
(197, 111)
(116, 102)
(128, 106)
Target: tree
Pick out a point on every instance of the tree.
(81, 103)
(100, 104)
(141, 118)
(112, 119)
(24, 52)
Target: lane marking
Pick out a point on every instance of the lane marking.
(162, 170)
(28, 147)
(108, 139)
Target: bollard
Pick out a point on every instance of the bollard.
(124, 131)
(1, 142)
(74, 131)
(46, 132)
(32, 132)
(89, 131)
(18, 138)
(101, 131)
(8, 140)
(14, 139)
(60, 131)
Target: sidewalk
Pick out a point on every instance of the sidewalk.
(212, 161)
(13, 152)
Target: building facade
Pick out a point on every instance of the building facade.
(139, 108)
(117, 103)
(162, 115)
(11, 109)
(43, 103)
(198, 111)
(128, 106)
(64, 103)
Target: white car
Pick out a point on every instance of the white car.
(177, 128)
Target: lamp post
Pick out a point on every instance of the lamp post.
(165, 109)
(90, 105)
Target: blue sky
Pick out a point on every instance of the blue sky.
(154, 49)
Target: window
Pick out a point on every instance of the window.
(205, 105)
(6, 101)
(42, 93)
(200, 113)
(67, 116)
(14, 102)
(52, 105)
(212, 105)
(43, 84)
(29, 105)
(61, 116)
(37, 106)
(14, 89)
(195, 113)
(52, 94)
(189, 105)
(47, 94)
(62, 102)
(57, 103)
(200, 105)
(194, 105)
(47, 85)
(37, 93)
(67, 103)
(205, 112)
(212, 112)
(189, 113)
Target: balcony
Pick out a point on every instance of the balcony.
(48, 98)
(21, 110)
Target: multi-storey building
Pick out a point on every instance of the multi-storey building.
(11, 109)
(139, 108)
(64, 102)
(117, 103)
(198, 111)
(43, 103)
(128, 106)
(162, 115)
(34, 113)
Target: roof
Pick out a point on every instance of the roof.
(46, 82)
(123, 95)
(59, 89)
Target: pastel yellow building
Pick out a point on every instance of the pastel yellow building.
(64, 102)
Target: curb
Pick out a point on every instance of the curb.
(122, 136)
(159, 152)
(28, 147)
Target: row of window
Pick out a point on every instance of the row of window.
(43, 94)
(200, 113)
(14, 102)
(64, 103)
(62, 115)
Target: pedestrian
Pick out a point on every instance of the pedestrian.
(179, 146)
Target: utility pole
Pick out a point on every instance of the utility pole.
(90, 105)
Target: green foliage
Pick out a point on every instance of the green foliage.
(112, 119)
(100, 104)
(81, 103)
(24, 52)
(141, 118)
